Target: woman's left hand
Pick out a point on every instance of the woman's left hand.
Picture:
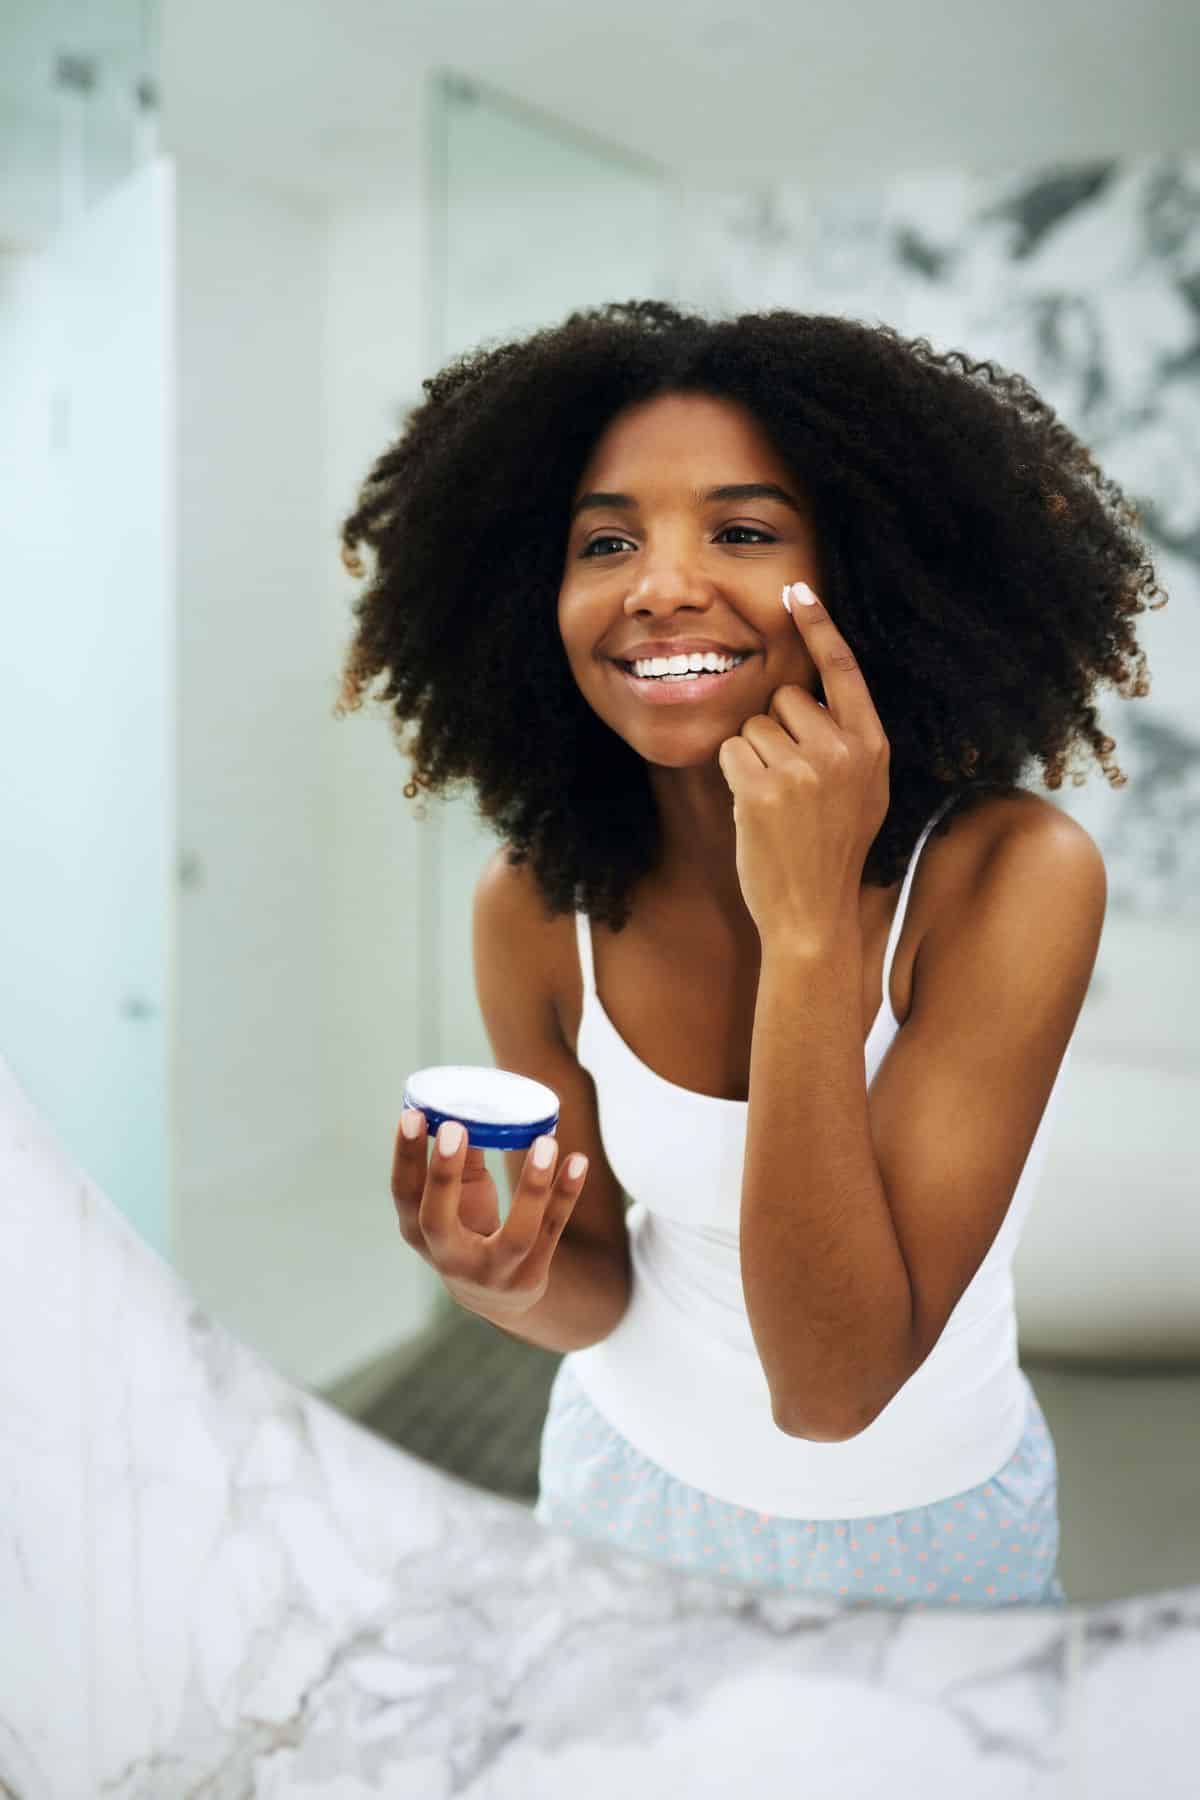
(810, 791)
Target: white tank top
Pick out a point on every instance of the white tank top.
(680, 1376)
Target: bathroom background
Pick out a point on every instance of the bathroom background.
(232, 243)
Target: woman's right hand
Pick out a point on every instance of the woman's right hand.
(449, 1214)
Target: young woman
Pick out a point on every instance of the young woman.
(744, 632)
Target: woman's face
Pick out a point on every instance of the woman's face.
(652, 556)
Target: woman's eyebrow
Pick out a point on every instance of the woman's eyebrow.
(743, 490)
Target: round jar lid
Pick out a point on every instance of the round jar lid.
(501, 1110)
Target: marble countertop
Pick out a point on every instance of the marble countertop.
(215, 1584)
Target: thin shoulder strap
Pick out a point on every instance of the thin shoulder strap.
(902, 903)
(583, 937)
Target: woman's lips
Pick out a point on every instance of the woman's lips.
(676, 693)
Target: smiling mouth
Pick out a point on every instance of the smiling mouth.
(691, 686)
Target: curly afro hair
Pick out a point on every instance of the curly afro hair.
(984, 571)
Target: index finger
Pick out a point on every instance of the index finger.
(409, 1151)
(409, 1157)
(436, 1190)
(411, 1163)
(848, 698)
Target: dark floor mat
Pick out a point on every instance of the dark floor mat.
(473, 1405)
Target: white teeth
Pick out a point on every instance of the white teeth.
(707, 662)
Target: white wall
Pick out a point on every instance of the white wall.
(299, 329)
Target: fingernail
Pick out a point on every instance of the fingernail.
(543, 1150)
(449, 1137)
(410, 1122)
(804, 593)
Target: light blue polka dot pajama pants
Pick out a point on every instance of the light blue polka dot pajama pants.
(992, 1545)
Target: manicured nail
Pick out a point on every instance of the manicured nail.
(804, 593)
(449, 1136)
(410, 1122)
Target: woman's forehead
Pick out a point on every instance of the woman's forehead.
(682, 442)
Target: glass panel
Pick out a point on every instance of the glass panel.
(78, 109)
(535, 219)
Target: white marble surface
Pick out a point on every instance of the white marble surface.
(213, 1584)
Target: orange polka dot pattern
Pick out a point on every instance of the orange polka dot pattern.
(992, 1545)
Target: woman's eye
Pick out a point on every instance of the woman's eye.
(613, 538)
